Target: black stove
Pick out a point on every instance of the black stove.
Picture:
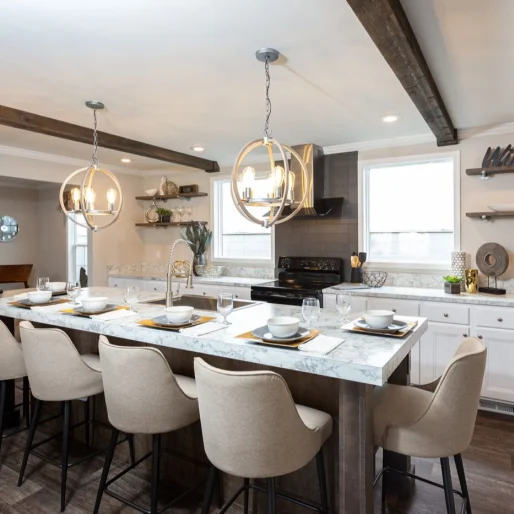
(299, 278)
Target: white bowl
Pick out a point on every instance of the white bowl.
(378, 319)
(283, 326)
(40, 296)
(502, 207)
(57, 287)
(151, 192)
(94, 303)
(180, 314)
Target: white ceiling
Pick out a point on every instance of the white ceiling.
(177, 74)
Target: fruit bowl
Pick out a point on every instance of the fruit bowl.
(209, 270)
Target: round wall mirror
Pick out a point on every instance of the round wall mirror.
(8, 229)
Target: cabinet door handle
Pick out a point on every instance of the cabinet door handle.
(500, 320)
(480, 337)
(464, 335)
(445, 314)
(394, 310)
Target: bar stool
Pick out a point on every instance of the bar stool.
(253, 429)
(58, 373)
(12, 367)
(143, 396)
(416, 422)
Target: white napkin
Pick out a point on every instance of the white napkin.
(53, 308)
(321, 344)
(21, 296)
(204, 328)
(109, 316)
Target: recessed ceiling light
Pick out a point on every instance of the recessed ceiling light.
(197, 148)
(125, 159)
(390, 118)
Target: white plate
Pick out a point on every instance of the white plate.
(264, 334)
(502, 207)
(395, 326)
(163, 321)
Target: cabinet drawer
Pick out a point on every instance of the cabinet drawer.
(401, 307)
(495, 317)
(155, 286)
(117, 282)
(444, 313)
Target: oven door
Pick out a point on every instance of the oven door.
(283, 298)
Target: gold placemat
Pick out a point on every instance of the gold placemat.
(400, 333)
(151, 323)
(295, 344)
(73, 312)
(24, 306)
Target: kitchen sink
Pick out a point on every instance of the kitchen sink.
(202, 303)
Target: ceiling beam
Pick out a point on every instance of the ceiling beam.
(387, 24)
(51, 127)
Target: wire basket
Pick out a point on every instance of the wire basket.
(374, 278)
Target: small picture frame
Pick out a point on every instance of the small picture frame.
(192, 188)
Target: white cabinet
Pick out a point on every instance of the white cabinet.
(499, 373)
(445, 313)
(117, 282)
(153, 286)
(400, 307)
(437, 348)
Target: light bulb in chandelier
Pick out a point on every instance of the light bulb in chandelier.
(111, 198)
(276, 179)
(75, 196)
(90, 197)
(247, 180)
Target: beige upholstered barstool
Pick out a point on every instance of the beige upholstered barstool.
(416, 422)
(57, 373)
(143, 396)
(252, 429)
(12, 367)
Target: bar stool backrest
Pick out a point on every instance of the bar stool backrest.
(12, 362)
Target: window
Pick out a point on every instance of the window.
(77, 248)
(234, 237)
(411, 210)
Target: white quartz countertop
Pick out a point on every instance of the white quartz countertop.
(222, 281)
(360, 358)
(434, 295)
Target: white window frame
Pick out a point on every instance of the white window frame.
(70, 252)
(363, 186)
(216, 228)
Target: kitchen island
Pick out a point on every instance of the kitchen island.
(340, 382)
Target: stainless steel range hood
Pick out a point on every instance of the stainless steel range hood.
(319, 203)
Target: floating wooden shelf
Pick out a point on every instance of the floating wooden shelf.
(170, 224)
(489, 215)
(489, 171)
(171, 197)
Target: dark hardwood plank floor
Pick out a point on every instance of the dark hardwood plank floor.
(489, 464)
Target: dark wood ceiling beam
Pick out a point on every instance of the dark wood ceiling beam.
(388, 26)
(51, 127)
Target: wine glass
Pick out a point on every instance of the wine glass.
(180, 212)
(311, 310)
(344, 306)
(225, 306)
(189, 212)
(73, 291)
(42, 283)
(132, 297)
(173, 210)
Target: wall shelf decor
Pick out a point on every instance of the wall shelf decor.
(485, 216)
(170, 224)
(182, 196)
(489, 172)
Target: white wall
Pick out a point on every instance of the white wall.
(476, 194)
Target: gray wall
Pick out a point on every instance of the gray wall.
(331, 237)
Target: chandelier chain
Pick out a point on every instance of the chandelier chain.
(94, 158)
(267, 130)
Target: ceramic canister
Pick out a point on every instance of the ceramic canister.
(459, 266)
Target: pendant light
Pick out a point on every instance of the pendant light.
(84, 198)
(281, 181)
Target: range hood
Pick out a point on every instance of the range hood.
(319, 203)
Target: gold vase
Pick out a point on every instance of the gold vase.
(471, 280)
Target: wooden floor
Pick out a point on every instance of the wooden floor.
(489, 464)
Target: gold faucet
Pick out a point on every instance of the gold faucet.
(169, 283)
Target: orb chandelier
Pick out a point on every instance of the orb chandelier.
(84, 198)
(277, 191)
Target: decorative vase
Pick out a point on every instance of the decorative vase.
(471, 281)
(451, 288)
(165, 219)
(459, 267)
(199, 260)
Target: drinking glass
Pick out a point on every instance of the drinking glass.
(173, 210)
(311, 310)
(344, 306)
(225, 306)
(73, 291)
(180, 212)
(42, 283)
(189, 213)
(132, 297)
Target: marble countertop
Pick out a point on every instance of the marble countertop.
(430, 295)
(361, 358)
(221, 281)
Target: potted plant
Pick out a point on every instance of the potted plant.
(164, 215)
(198, 237)
(452, 284)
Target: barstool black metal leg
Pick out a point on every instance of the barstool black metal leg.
(87, 424)
(448, 488)
(3, 389)
(26, 401)
(272, 499)
(462, 479)
(246, 495)
(30, 439)
(156, 451)
(322, 479)
(65, 451)
(209, 490)
(132, 450)
(107, 466)
(219, 483)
